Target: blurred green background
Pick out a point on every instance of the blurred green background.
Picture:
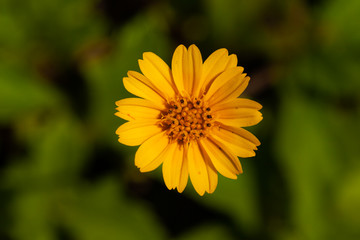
(64, 176)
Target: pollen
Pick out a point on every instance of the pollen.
(186, 120)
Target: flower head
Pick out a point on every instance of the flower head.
(189, 118)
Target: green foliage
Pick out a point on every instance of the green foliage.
(238, 199)
(104, 212)
(209, 232)
(21, 94)
(63, 175)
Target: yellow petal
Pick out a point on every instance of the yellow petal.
(167, 167)
(225, 162)
(177, 66)
(195, 70)
(140, 86)
(202, 172)
(229, 76)
(187, 69)
(158, 72)
(167, 153)
(235, 141)
(197, 169)
(239, 89)
(243, 136)
(243, 121)
(231, 62)
(184, 172)
(234, 160)
(187, 72)
(212, 173)
(151, 149)
(214, 65)
(173, 166)
(237, 103)
(239, 112)
(229, 85)
(134, 133)
(133, 109)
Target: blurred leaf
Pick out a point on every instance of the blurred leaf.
(225, 18)
(307, 153)
(325, 74)
(340, 26)
(208, 232)
(38, 30)
(12, 35)
(143, 33)
(103, 212)
(312, 72)
(336, 66)
(348, 201)
(59, 149)
(48, 20)
(86, 213)
(56, 149)
(21, 94)
(238, 199)
(33, 217)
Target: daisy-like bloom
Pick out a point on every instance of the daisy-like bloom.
(189, 118)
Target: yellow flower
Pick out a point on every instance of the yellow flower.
(189, 118)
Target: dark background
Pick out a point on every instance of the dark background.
(64, 176)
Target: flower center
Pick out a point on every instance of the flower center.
(186, 119)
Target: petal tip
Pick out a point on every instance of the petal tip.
(201, 193)
(147, 55)
(181, 47)
(193, 47)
